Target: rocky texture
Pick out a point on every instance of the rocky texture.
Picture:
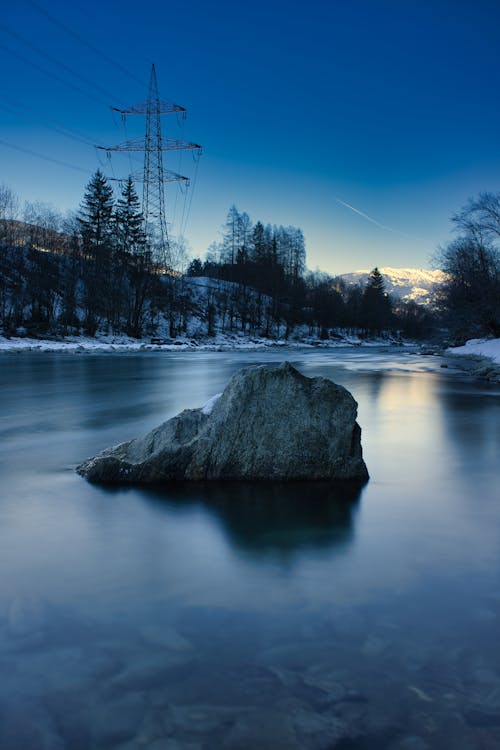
(271, 423)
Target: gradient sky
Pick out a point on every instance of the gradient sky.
(390, 107)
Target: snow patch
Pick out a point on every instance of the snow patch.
(207, 408)
(221, 342)
(479, 348)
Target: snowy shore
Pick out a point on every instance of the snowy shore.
(487, 348)
(478, 357)
(83, 344)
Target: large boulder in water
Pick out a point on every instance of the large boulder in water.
(270, 423)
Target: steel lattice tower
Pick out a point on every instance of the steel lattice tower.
(154, 175)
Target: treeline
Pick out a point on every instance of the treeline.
(95, 270)
(272, 261)
(98, 270)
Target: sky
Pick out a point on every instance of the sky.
(367, 124)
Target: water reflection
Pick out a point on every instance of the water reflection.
(273, 519)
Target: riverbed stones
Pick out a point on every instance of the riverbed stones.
(270, 423)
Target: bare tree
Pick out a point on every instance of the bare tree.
(472, 262)
(480, 218)
(9, 214)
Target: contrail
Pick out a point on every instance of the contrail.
(374, 221)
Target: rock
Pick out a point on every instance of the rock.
(270, 423)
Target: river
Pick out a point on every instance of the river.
(254, 616)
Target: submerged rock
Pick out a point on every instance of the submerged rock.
(270, 423)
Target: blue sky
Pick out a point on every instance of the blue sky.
(390, 107)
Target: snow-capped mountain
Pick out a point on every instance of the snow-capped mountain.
(418, 284)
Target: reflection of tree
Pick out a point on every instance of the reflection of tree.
(273, 518)
(470, 417)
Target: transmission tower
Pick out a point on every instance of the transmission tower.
(154, 176)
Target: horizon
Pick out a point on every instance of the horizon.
(369, 140)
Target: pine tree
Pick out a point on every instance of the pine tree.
(130, 221)
(132, 243)
(260, 248)
(376, 304)
(95, 220)
(96, 216)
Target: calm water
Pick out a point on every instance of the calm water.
(248, 616)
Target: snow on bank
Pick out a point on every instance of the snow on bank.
(82, 344)
(489, 348)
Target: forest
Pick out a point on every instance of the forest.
(99, 270)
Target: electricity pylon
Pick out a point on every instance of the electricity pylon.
(154, 175)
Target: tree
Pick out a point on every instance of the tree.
(231, 236)
(324, 303)
(376, 306)
(42, 227)
(236, 236)
(97, 225)
(195, 268)
(260, 246)
(472, 262)
(9, 211)
(96, 216)
(480, 218)
(130, 221)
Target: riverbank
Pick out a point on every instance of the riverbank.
(478, 357)
(221, 342)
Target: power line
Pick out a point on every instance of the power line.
(52, 75)
(83, 12)
(83, 41)
(53, 60)
(42, 156)
(195, 178)
(15, 107)
(77, 133)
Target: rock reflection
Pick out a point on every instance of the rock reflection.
(275, 518)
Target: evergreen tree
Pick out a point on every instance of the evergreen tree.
(260, 246)
(96, 224)
(195, 268)
(130, 221)
(96, 216)
(376, 305)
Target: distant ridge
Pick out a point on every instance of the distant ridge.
(418, 284)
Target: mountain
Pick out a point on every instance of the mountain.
(417, 284)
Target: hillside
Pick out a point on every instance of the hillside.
(418, 284)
